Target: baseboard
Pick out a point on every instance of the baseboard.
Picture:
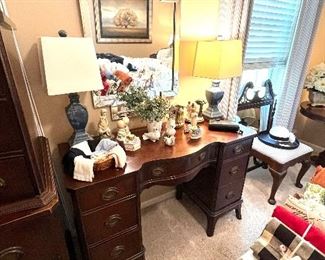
(317, 148)
(158, 199)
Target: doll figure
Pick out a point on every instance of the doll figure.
(103, 129)
(200, 102)
(121, 132)
(194, 129)
(179, 116)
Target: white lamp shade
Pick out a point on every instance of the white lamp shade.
(70, 65)
(218, 59)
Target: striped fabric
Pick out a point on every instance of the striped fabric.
(297, 64)
(232, 22)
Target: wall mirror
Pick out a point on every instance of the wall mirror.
(135, 45)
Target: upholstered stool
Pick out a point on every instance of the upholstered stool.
(279, 160)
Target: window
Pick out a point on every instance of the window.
(269, 38)
(271, 30)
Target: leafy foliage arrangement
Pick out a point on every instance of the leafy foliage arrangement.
(315, 79)
(147, 108)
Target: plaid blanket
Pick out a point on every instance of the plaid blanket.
(279, 242)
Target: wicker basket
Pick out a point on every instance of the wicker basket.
(104, 163)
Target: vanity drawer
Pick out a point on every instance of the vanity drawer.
(163, 169)
(15, 184)
(229, 194)
(108, 221)
(233, 170)
(122, 247)
(237, 149)
(106, 192)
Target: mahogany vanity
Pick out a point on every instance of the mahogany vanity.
(211, 171)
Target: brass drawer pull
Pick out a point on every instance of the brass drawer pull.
(117, 251)
(238, 149)
(157, 171)
(234, 170)
(110, 193)
(15, 252)
(2, 183)
(112, 220)
(202, 156)
(230, 195)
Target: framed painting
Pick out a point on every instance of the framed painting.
(123, 21)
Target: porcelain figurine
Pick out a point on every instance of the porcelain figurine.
(188, 112)
(132, 143)
(122, 131)
(180, 116)
(195, 130)
(103, 129)
(200, 102)
(153, 136)
(169, 137)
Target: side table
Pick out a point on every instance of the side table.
(318, 114)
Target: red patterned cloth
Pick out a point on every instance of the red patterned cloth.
(315, 236)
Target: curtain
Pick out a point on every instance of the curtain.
(232, 21)
(297, 63)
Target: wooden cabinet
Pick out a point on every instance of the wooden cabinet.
(29, 227)
(210, 170)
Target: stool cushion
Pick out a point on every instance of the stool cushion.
(281, 156)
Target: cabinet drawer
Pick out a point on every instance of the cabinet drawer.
(166, 168)
(122, 247)
(229, 194)
(15, 183)
(110, 220)
(233, 170)
(237, 149)
(106, 192)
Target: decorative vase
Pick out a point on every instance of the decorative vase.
(316, 98)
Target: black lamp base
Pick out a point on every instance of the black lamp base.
(78, 117)
(214, 95)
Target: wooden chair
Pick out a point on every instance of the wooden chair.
(276, 160)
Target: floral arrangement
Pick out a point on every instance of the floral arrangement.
(315, 79)
(146, 107)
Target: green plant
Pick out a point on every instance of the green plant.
(145, 107)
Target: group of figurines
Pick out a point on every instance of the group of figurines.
(130, 141)
(179, 116)
(189, 117)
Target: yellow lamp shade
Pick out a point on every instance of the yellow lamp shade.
(218, 59)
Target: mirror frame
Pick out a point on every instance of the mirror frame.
(87, 21)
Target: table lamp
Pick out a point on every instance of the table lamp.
(70, 66)
(217, 60)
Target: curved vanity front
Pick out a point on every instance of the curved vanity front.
(211, 171)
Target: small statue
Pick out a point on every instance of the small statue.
(179, 116)
(200, 102)
(194, 129)
(130, 141)
(169, 138)
(188, 112)
(122, 131)
(103, 129)
(153, 136)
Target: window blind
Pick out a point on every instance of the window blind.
(271, 29)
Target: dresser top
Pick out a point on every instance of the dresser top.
(150, 151)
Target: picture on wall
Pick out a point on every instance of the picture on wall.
(123, 21)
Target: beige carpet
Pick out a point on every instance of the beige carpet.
(174, 230)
